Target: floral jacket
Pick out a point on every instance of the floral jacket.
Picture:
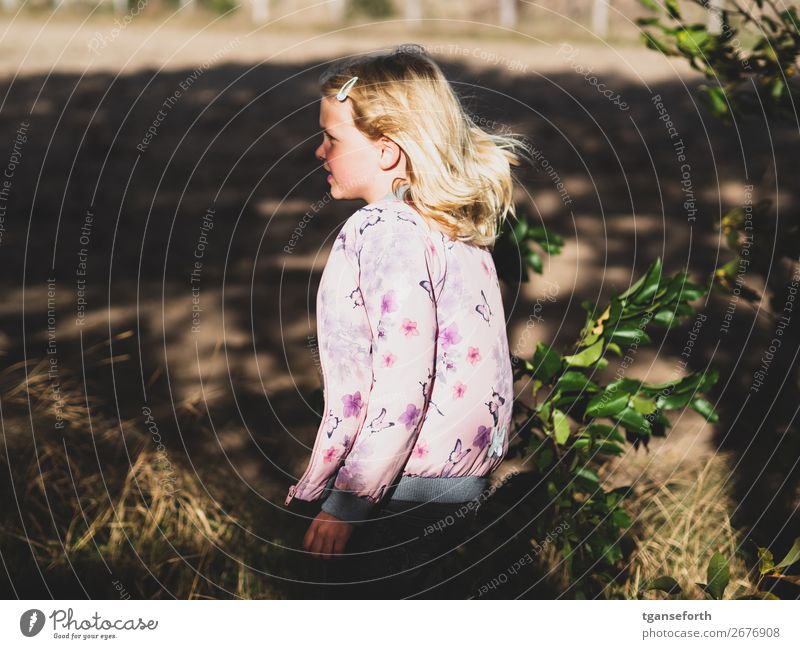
(416, 367)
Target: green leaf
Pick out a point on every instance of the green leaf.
(729, 269)
(549, 241)
(630, 334)
(544, 411)
(650, 284)
(606, 405)
(706, 409)
(585, 357)
(792, 556)
(690, 293)
(689, 383)
(566, 552)
(550, 247)
(519, 230)
(654, 44)
(546, 361)
(692, 39)
(562, 401)
(771, 23)
(665, 317)
(790, 17)
(673, 401)
(672, 9)
(630, 386)
(588, 475)
(718, 575)
(534, 260)
(581, 444)
(650, 21)
(673, 287)
(760, 595)
(544, 459)
(590, 308)
(643, 405)
(610, 448)
(660, 418)
(765, 561)
(574, 381)
(604, 432)
(561, 426)
(539, 233)
(663, 386)
(632, 420)
(613, 552)
(650, 4)
(634, 288)
(664, 583)
(715, 100)
(590, 339)
(615, 312)
(708, 380)
(777, 88)
(620, 518)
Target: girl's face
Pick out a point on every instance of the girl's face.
(357, 165)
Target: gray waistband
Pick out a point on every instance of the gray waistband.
(442, 490)
(355, 509)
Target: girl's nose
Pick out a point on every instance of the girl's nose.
(320, 153)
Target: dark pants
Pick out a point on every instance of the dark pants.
(399, 552)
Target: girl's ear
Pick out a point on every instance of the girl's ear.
(390, 153)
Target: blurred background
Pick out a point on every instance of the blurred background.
(160, 382)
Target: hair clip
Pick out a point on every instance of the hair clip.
(342, 94)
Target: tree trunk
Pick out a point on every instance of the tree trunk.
(600, 17)
(508, 13)
(260, 12)
(413, 9)
(337, 10)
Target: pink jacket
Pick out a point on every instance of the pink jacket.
(417, 374)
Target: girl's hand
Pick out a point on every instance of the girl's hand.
(327, 536)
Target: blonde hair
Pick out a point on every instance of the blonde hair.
(458, 174)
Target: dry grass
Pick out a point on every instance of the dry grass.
(87, 499)
(679, 524)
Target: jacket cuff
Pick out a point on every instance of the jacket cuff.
(347, 506)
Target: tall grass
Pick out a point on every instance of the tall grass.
(679, 524)
(90, 510)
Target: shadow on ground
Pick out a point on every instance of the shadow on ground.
(200, 215)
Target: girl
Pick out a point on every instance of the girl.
(411, 327)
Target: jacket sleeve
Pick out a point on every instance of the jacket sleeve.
(396, 280)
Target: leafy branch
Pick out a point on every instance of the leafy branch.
(759, 77)
(719, 575)
(581, 422)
